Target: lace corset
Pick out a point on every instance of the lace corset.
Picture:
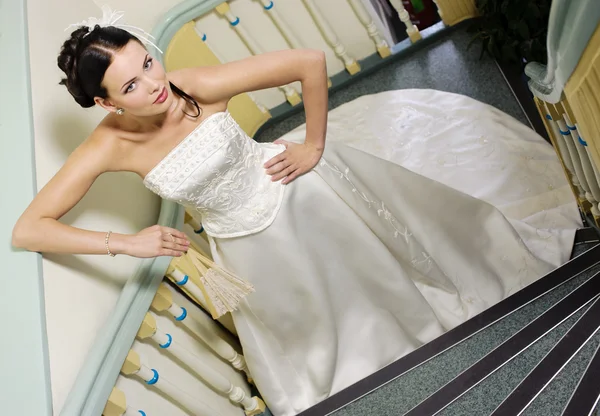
(217, 171)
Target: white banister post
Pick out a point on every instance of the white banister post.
(590, 175)
(163, 301)
(224, 10)
(285, 29)
(149, 329)
(183, 280)
(134, 366)
(203, 245)
(252, 96)
(411, 30)
(577, 164)
(193, 222)
(365, 18)
(116, 405)
(563, 150)
(331, 38)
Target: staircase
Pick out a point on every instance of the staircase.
(534, 353)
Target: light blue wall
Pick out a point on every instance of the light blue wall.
(25, 382)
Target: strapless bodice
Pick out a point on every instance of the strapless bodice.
(217, 172)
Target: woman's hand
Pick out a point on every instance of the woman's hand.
(295, 160)
(156, 241)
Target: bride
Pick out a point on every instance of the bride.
(356, 260)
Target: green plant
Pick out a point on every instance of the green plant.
(512, 31)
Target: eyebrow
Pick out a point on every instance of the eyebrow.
(134, 78)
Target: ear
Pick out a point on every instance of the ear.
(106, 104)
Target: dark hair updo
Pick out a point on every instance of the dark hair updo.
(86, 56)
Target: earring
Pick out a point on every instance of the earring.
(120, 112)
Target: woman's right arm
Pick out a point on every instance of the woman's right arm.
(38, 229)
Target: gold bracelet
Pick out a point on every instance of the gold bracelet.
(106, 244)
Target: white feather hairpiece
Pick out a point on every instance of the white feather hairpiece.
(111, 18)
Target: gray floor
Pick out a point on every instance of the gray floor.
(446, 65)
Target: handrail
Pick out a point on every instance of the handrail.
(179, 15)
(571, 25)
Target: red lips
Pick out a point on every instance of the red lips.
(162, 96)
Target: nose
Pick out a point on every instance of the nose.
(153, 85)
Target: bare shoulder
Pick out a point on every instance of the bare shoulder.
(98, 153)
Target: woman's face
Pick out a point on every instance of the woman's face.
(136, 83)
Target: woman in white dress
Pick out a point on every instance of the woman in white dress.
(356, 260)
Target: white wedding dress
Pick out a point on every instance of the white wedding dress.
(361, 260)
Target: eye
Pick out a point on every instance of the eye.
(130, 88)
(148, 64)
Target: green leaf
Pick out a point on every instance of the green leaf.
(418, 6)
(523, 29)
(474, 39)
(512, 30)
(484, 46)
(509, 53)
(534, 10)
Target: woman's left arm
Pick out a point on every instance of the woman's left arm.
(219, 83)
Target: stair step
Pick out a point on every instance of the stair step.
(486, 396)
(552, 364)
(554, 398)
(398, 388)
(523, 339)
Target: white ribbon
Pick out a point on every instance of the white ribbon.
(111, 18)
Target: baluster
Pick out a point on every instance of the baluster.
(411, 30)
(365, 18)
(134, 366)
(149, 329)
(183, 280)
(193, 222)
(202, 245)
(116, 405)
(286, 31)
(589, 169)
(563, 150)
(330, 37)
(576, 161)
(250, 94)
(288, 34)
(163, 301)
(576, 132)
(224, 10)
